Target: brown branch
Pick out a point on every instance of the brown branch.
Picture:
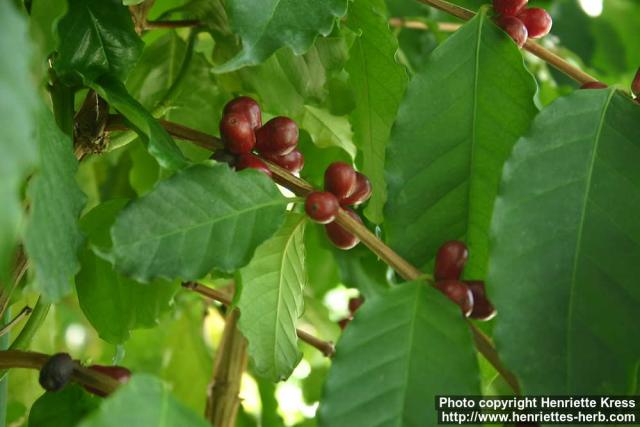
(183, 23)
(419, 25)
(23, 313)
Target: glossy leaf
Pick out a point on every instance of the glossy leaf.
(64, 408)
(202, 218)
(271, 300)
(378, 82)
(399, 352)
(455, 128)
(327, 130)
(53, 237)
(565, 247)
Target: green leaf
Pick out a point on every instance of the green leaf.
(378, 82)
(455, 128)
(53, 237)
(327, 130)
(64, 408)
(266, 25)
(96, 38)
(143, 401)
(159, 143)
(400, 351)
(203, 217)
(131, 2)
(566, 241)
(17, 107)
(44, 19)
(271, 300)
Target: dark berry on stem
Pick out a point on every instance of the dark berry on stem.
(237, 133)
(293, 162)
(509, 7)
(223, 156)
(457, 292)
(344, 322)
(340, 179)
(246, 106)
(321, 206)
(537, 20)
(252, 161)
(355, 303)
(482, 307)
(635, 84)
(450, 260)
(340, 237)
(118, 373)
(594, 85)
(360, 194)
(56, 372)
(515, 28)
(279, 136)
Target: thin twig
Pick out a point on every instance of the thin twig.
(23, 313)
(419, 25)
(181, 23)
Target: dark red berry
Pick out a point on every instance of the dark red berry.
(223, 156)
(635, 84)
(321, 206)
(355, 303)
(237, 133)
(509, 7)
(344, 322)
(450, 260)
(457, 292)
(279, 136)
(56, 372)
(293, 162)
(341, 237)
(537, 20)
(246, 106)
(119, 373)
(594, 85)
(360, 194)
(482, 307)
(251, 161)
(340, 179)
(515, 28)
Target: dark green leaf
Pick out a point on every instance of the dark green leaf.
(565, 248)
(45, 15)
(202, 218)
(64, 408)
(454, 131)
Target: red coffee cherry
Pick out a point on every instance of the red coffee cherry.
(537, 21)
(237, 133)
(279, 136)
(515, 28)
(355, 303)
(344, 322)
(457, 292)
(340, 179)
(482, 307)
(56, 372)
(594, 85)
(340, 237)
(246, 106)
(509, 7)
(118, 373)
(293, 162)
(321, 206)
(251, 161)
(450, 260)
(360, 194)
(635, 84)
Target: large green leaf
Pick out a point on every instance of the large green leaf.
(202, 218)
(327, 130)
(143, 401)
(401, 350)
(271, 300)
(63, 408)
(266, 25)
(53, 237)
(19, 149)
(565, 249)
(378, 82)
(96, 38)
(455, 128)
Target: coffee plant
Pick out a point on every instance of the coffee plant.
(314, 212)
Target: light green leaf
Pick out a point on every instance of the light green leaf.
(378, 83)
(328, 130)
(271, 300)
(455, 128)
(565, 249)
(131, 2)
(401, 350)
(202, 218)
(63, 408)
(53, 237)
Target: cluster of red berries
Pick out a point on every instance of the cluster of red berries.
(521, 22)
(468, 294)
(242, 131)
(354, 305)
(343, 187)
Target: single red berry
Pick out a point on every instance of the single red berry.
(341, 237)
(482, 307)
(321, 206)
(278, 136)
(340, 179)
(537, 20)
(251, 161)
(450, 260)
(457, 292)
(246, 106)
(594, 85)
(360, 194)
(515, 28)
(237, 133)
(509, 7)
(344, 322)
(293, 162)
(119, 373)
(355, 303)
(223, 156)
(635, 84)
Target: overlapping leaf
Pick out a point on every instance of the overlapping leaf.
(565, 249)
(63, 408)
